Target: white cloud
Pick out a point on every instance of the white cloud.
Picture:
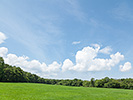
(115, 59)
(76, 42)
(86, 60)
(33, 66)
(126, 67)
(54, 67)
(106, 50)
(3, 51)
(95, 45)
(99, 64)
(67, 65)
(2, 37)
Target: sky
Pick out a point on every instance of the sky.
(66, 39)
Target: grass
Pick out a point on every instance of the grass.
(33, 91)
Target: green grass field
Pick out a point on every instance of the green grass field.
(33, 91)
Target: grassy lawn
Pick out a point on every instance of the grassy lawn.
(32, 91)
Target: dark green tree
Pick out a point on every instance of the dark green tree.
(92, 82)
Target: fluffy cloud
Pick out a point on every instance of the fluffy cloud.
(99, 64)
(86, 60)
(33, 66)
(2, 37)
(54, 67)
(67, 65)
(125, 67)
(3, 51)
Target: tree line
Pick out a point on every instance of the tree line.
(10, 73)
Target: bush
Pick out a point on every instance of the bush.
(86, 83)
(130, 86)
(112, 84)
(124, 85)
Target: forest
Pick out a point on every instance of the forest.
(10, 73)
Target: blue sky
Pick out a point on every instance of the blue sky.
(68, 38)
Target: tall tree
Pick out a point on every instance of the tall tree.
(92, 82)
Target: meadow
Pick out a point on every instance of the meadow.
(35, 91)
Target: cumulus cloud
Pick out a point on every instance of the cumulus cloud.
(33, 66)
(67, 65)
(86, 60)
(76, 42)
(3, 51)
(126, 67)
(106, 64)
(106, 50)
(2, 37)
(54, 67)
